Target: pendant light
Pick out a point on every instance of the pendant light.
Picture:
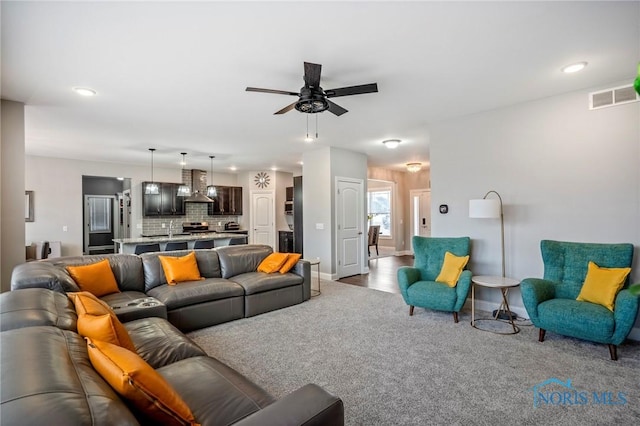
(183, 189)
(211, 189)
(151, 188)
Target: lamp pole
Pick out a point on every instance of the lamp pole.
(501, 226)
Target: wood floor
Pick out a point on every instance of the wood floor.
(382, 274)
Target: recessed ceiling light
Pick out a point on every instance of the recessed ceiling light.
(274, 169)
(233, 168)
(574, 67)
(391, 143)
(84, 91)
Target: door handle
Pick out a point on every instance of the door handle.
(359, 233)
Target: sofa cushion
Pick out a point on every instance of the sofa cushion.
(236, 260)
(154, 276)
(36, 306)
(159, 343)
(96, 278)
(583, 320)
(292, 259)
(97, 321)
(127, 268)
(140, 384)
(194, 292)
(272, 263)
(223, 396)
(42, 274)
(179, 269)
(258, 282)
(47, 379)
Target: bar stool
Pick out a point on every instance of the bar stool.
(176, 245)
(203, 244)
(237, 241)
(146, 248)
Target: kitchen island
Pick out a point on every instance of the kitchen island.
(128, 245)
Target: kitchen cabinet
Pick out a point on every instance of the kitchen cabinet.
(297, 215)
(166, 203)
(228, 201)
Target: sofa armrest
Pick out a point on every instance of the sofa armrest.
(534, 292)
(303, 268)
(624, 315)
(41, 274)
(407, 275)
(308, 405)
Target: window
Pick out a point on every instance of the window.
(379, 208)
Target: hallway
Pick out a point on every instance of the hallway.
(382, 273)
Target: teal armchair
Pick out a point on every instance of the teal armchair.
(418, 285)
(551, 301)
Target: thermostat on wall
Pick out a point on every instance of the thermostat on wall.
(444, 209)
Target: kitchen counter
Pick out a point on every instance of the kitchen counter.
(128, 245)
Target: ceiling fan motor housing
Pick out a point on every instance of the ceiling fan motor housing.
(312, 100)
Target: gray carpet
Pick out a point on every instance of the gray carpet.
(392, 369)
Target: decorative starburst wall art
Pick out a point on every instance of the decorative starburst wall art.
(262, 180)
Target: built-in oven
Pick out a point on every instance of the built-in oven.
(288, 207)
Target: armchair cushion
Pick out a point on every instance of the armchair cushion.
(602, 285)
(451, 269)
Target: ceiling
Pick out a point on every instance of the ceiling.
(172, 75)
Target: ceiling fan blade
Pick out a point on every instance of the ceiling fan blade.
(352, 90)
(277, 92)
(312, 74)
(286, 109)
(336, 109)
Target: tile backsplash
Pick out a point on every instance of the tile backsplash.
(196, 212)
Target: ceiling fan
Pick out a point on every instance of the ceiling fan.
(312, 98)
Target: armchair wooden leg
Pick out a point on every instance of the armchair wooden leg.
(613, 351)
(541, 335)
(455, 317)
(411, 310)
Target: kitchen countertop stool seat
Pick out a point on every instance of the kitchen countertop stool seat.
(203, 244)
(146, 248)
(176, 245)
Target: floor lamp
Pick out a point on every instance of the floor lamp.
(491, 209)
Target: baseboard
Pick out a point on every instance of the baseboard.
(403, 253)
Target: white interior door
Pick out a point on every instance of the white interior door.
(262, 218)
(420, 208)
(349, 223)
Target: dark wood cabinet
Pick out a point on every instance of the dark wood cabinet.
(285, 241)
(228, 201)
(166, 203)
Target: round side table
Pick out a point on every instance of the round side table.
(502, 283)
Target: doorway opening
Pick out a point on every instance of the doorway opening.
(106, 210)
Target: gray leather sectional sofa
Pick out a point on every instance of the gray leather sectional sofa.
(232, 288)
(46, 375)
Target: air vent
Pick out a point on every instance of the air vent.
(614, 96)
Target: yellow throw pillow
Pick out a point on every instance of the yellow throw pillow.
(451, 269)
(97, 321)
(180, 269)
(139, 383)
(602, 285)
(292, 259)
(96, 278)
(273, 262)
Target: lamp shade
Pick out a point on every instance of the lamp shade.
(484, 209)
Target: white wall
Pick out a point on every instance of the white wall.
(12, 205)
(563, 172)
(57, 185)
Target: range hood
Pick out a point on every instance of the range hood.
(198, 180)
